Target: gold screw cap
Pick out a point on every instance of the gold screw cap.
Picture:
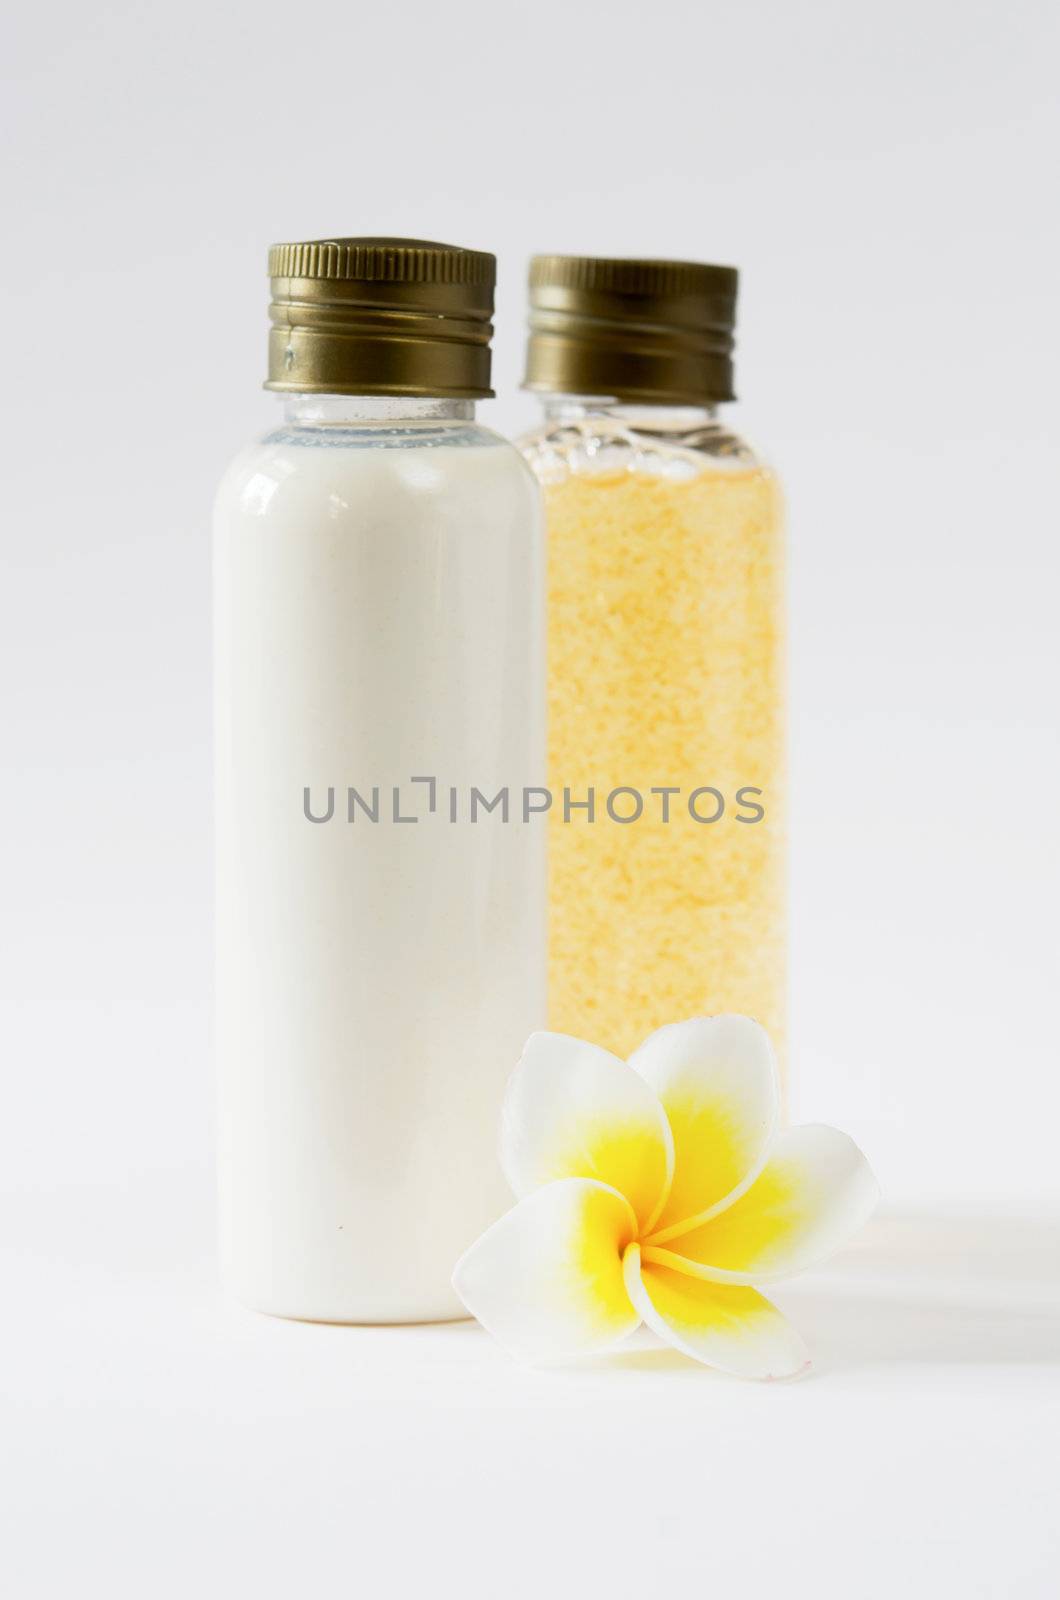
(381, 317)
(655, 331)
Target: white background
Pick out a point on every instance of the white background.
(885, 177)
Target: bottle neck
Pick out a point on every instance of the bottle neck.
(636, 415)
(340, 410)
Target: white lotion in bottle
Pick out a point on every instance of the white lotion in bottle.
(378, 567)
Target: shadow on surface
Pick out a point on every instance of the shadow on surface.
(968, 1290)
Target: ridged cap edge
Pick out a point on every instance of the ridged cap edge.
(618, 275)
(373, 260)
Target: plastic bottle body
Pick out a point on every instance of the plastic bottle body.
(379, 953)
(666, 701)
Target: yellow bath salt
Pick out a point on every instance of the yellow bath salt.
(666, 649)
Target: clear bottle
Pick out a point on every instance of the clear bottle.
(379, 650)
(666, 655)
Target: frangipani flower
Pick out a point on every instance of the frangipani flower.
(659, 1190)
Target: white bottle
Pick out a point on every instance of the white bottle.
(379, 658)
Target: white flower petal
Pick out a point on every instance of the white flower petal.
(573, 1110)
(717, 1080)
(546, 1280)
(815, 1191)
(735, 1329)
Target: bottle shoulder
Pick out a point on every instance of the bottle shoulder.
(338, 466)
(601, 444)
